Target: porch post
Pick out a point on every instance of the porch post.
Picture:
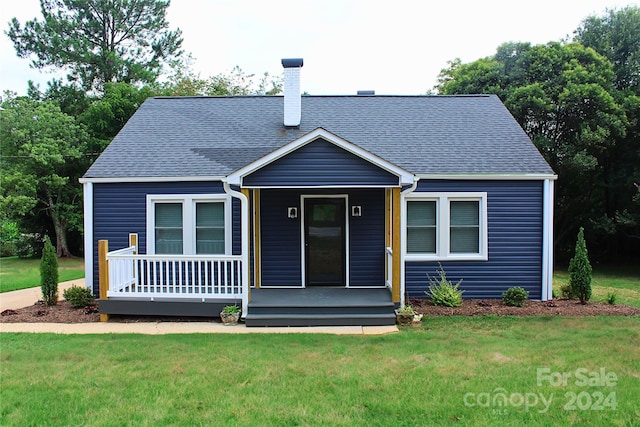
(257, 244)
(103, 273)
(133, 241)
(395, 246)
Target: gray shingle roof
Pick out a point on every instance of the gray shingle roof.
(214, 136)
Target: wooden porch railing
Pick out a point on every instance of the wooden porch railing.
(388, 255)
(174, 276)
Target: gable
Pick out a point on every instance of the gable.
(320, 158)
(320, 163)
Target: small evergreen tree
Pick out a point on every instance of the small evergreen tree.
(49, 274)
(580, 270)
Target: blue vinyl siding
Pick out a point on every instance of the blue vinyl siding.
(514, 246)
(320, 163)
(120, 209)
(281, 237)
(366, 238)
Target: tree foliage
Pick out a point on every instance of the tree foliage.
(616, 35)
(580, 270)
(566, 97)
(42, 157)
(49, 274)
(99, 41)
(183, 81)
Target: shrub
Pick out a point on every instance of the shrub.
(9, 233)
(78, 296)
(515, 297)
(567, 292)
(611, 297)
(29, 245)
(580, 270)
(443, 292)
(49, 274)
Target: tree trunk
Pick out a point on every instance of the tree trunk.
(60, 227)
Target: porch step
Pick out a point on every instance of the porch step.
(320, 307)
(319, 320)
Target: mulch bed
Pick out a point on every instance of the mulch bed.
(64, 313)
(556, 307)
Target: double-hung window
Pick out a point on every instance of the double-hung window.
(446, 226)
(188, 224)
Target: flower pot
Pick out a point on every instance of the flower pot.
(404, 319)
(230, 318)
(417, 320)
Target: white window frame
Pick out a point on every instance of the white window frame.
(443, 201)
(188, 202)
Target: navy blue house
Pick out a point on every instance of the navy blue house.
(257, 200)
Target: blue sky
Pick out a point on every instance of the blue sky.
(394, 47)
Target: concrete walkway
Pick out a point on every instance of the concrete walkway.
(27, 297)
(163, 328)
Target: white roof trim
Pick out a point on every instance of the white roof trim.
(151, 179)
(497, 176)
(404, 177)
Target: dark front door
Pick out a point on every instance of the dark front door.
(324, 236)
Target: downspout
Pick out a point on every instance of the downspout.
(244, 232)
(547, 240)
(403, 233)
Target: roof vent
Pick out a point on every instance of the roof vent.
(292, 100)
(366, 92)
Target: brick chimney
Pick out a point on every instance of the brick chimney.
(292, 101)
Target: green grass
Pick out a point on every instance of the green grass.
(422, 376)
(17, 273)
(623, 280)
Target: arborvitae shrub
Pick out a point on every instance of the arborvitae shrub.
(580, 270)
(49, 274)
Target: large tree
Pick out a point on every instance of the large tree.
(42, 154)
(99, 41)
(616, 35)
(563, 95)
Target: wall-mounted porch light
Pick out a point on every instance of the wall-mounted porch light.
(292, 212)
(356, 210)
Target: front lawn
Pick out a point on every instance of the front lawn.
(624, 281)
(452, 371)
(20, 273)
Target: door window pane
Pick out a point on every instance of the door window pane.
(168, 232)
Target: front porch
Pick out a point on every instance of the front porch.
(200, 286)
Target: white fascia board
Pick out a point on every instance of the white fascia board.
(404, 177)
(131, 179)
(312, 187)
(489, 177)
